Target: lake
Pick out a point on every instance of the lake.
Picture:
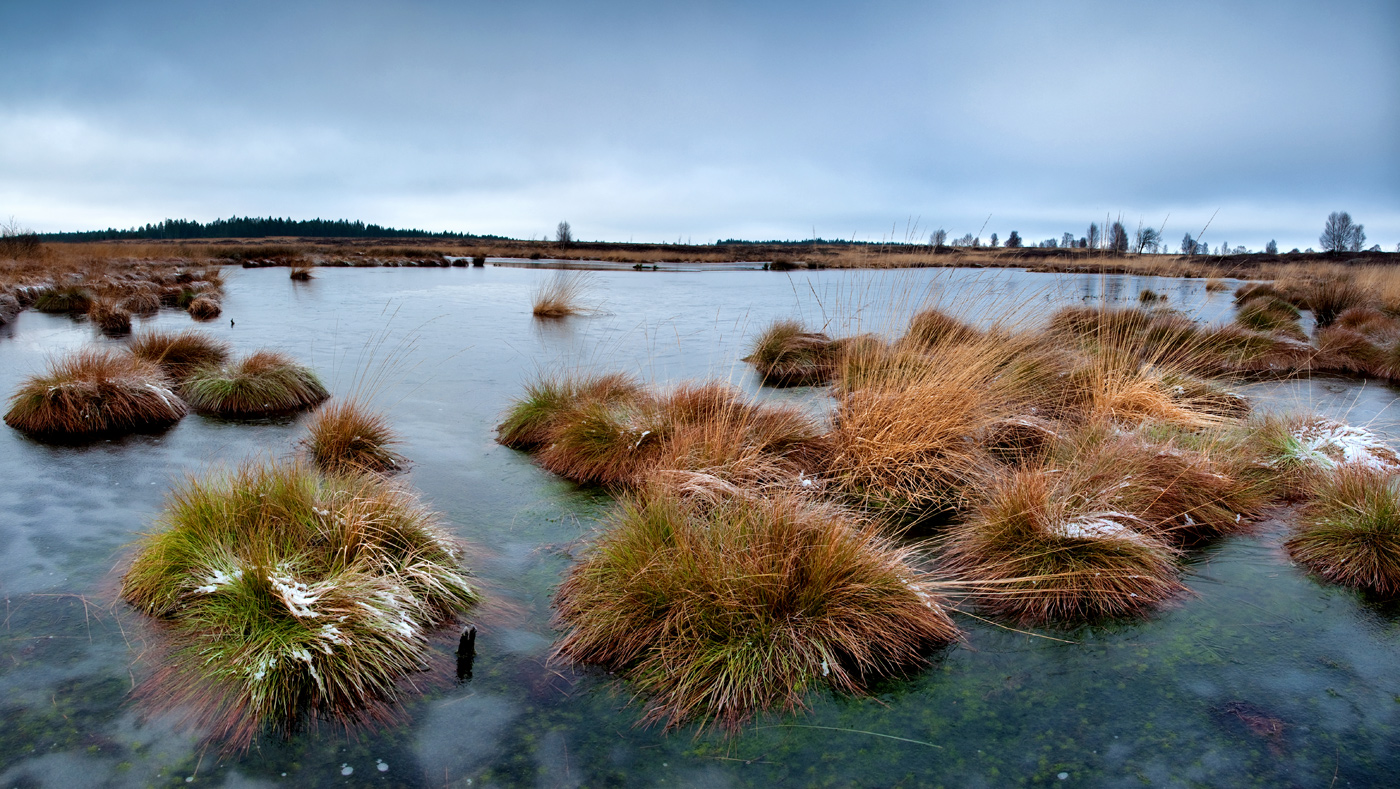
(1262, 676)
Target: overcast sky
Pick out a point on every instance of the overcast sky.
(655, 121)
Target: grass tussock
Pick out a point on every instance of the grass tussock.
(67, 299)
(1269, 314)
(290, 595)
(530, 421)
(10, 306)
(901, 436)
(204, 308)
(932, 327)
(1329, 297)
(608, 441)
(110, 318)
(179, 353)
(560, 295)
(142, 302)
(1370, 321)
(94, 393)
(610, 430)
(264, 382)
(715, 434)
(786, 354)
(1046, 544)
(720, 610)
(346, 437)
(1349, 532)
(1349, 351)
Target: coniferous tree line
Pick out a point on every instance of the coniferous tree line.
(254, 227)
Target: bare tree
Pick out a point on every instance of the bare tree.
(1146, 239)
(938, 238)
(1271, 248)
(1340, 234)
(564, 235)
(1067, 240)
(17, 241)
(994, 241)
(1093, 236)
(1013, 241)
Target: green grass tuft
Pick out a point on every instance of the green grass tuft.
(1350, 532)
(1270, 314)
(530, 419)
(264, 382)
(290, 594)
(71, 299)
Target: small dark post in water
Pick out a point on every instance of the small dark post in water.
(466, 653)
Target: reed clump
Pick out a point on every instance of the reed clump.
(94, 393)
(718, 610)
(560, 295)
(347, 437)
(902, 436)
(1349, 532)
(530, 420)
(288, 595)
(1270, 314)
(204, 308)
(179, 353)
(264, 382)
(1046, 544)
(608, 429)
(66, 299)
(786, 354)
(109, 317)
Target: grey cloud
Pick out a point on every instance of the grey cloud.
(707, 120)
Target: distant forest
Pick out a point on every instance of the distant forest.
(254, 227)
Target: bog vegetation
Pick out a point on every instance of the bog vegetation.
(1058, 476)
(291, 595)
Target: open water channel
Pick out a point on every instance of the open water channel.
(1262, 676)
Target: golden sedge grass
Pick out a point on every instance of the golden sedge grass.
(561, 295)
(179, 353)
(347, 437)
(718, 610)
(94, 393)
